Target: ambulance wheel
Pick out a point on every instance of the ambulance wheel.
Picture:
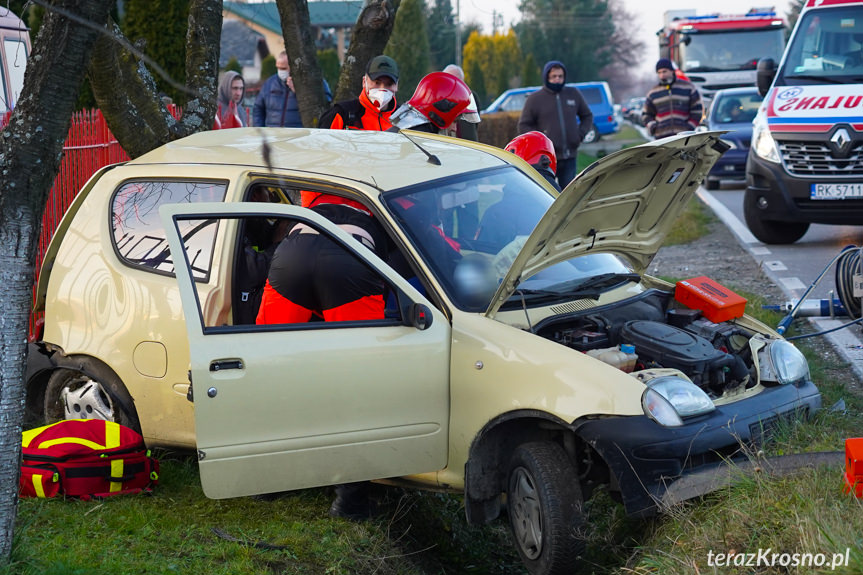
(91, 392)
(544, 504)
(770, 231)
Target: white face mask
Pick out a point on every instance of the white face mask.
(381, 97)
(283, 74)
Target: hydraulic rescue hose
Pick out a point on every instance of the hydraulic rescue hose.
(848, 264)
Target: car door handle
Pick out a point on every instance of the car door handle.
(221, 364)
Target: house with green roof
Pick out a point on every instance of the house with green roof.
(331, 22)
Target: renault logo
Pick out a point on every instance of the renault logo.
(840, 139)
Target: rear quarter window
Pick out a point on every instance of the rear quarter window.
(591, 95)
(137, 232)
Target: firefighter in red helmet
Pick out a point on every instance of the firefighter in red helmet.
(536, 149)
(438, 101)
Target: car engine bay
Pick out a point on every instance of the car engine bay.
(716, 357)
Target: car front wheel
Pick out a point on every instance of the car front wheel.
(92, 393)
(544, 504)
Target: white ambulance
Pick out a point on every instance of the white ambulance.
(805, 164)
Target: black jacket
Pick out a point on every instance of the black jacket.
(563, 116)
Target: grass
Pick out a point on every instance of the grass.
(692, 223)
(171, 530)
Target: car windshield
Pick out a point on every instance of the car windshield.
(470, 229)
(827, 48)
(730, 51)
(735, 108)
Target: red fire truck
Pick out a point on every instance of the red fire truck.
(718, 51)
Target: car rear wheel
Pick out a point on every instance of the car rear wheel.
(94, 392)
(591, 136)
(770, 231)
(544, 504)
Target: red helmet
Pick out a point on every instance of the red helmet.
(531, 147)
(440, 97)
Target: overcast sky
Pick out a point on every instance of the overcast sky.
(648, 15)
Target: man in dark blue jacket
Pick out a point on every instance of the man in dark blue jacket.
(276, 104)
(561, 113)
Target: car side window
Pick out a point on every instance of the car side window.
(313, 281)
(514, 103)
(138, 235)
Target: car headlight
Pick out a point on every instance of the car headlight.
(763, 143)
(667, 400)
(782, 363)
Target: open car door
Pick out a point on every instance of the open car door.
(283, 407)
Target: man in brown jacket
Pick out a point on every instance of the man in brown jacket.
(561, 113)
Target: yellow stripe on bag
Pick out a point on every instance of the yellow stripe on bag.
(116, 471)
(112, 435)
(77, 440)
(30, 434)
(112, 438)
(37, 486)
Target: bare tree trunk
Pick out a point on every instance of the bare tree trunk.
(30, 152)
(126, 92)
(368, 39)
(300, 46)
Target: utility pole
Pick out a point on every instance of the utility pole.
(457, 33)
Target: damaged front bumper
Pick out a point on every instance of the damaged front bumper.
(648, 459)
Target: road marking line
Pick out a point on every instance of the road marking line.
(759, 251)
(728, 218)
(844, 341)
(776, 266)
(792, 283)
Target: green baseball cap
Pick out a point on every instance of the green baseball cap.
(382, 66)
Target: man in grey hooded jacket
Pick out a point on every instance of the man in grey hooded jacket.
(561, 113)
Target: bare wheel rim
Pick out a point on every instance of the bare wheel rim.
(85, 399)
(526, 513)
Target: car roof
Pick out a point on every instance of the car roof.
(745, 91)
(383, 160)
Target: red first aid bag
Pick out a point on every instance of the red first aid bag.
(85, 458)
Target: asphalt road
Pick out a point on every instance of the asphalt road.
(795, 266)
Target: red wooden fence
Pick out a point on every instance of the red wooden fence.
(88, 147)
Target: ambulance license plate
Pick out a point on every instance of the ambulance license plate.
(835, 191)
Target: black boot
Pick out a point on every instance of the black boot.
(353, 502)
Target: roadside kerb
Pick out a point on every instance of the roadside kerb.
(847, 342)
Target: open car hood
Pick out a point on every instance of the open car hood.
(625, 204)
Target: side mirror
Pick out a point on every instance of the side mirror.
(764, 75)
(686, 40)
(419, 316)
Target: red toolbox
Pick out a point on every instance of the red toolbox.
(854, 466)
(715, 301)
